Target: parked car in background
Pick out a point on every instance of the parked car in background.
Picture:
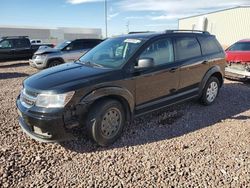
(35, 41)
(17, 48)
(238, 60)
(122, 78)
(67, 51)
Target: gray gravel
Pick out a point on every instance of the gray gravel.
(188, 145)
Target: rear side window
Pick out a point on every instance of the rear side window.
(83, 44)
(21, 43)
(161, 51)
(209, 45)
(186, 48)
(240, 46)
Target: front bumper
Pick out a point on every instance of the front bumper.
(39, 64)
(43, 127)
(236, 73)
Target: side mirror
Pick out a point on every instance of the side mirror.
(68, 48)
(145, 63)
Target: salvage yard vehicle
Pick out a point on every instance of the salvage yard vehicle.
(17, 48)
(68, 51)
(122, 78)
(238, 59)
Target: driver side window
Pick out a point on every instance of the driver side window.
(160, 51)
(5, 44)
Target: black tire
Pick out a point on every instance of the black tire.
(54, 63)
(205, 98)
(98, 120)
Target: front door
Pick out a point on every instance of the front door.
(160, 80)
(6, 49)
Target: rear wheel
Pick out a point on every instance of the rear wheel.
(54, 63)
(105, 121)
(211, 91)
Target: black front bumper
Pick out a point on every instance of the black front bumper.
(44, 127)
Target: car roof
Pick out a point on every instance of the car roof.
(244, 40)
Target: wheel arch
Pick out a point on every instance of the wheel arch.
(55, 59)
(120, 94)
(214, 71)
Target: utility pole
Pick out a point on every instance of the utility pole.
(106, 17)
(127, 25)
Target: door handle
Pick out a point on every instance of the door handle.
(172, 70)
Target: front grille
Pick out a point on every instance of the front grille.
(28, 98)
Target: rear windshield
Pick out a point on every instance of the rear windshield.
(240, 46)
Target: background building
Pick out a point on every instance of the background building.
(229, 25)
(54, 35)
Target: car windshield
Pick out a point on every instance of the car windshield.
(62, 45)
(112, 53)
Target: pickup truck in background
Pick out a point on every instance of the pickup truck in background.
(18, 48)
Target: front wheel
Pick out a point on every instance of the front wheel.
(54, 63)
(211, 91)
(105, 121)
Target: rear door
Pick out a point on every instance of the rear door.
(193, 64)
(6, 49)
(22, 48)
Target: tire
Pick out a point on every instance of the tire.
(105, 122)
(210, 91)
(54, 63)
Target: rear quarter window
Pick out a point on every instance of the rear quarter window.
(209, 45)
(186, 48)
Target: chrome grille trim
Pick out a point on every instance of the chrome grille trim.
(26, 99)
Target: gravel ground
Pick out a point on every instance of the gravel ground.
(188, 145)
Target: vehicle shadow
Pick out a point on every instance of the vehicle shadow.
(10, 75)
(18, 64)
(176, 121)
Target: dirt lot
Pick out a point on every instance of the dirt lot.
(188, 145)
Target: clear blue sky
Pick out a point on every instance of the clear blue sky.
(141, 14)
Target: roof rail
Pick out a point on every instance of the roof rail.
(191, 31)
(137, 32)
(10, 37)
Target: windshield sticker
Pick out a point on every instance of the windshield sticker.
(134, 41)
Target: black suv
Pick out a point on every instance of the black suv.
(121, 78)
(18, 48)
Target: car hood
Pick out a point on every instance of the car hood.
(238, 56)
(64, 78)
(46, 50)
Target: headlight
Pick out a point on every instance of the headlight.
(40, 57)
(53, 100)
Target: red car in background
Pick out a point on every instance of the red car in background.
(238, 59)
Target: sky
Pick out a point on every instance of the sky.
(123, 15)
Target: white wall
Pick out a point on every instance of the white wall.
(229, 26)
